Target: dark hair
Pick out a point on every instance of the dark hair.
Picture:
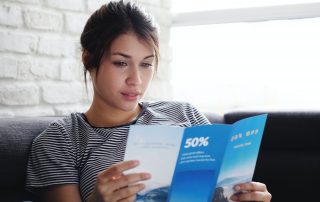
(109, 22)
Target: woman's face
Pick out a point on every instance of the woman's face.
(124, 73)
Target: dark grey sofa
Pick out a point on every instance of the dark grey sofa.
(288, 162)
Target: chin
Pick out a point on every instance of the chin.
(130, 107)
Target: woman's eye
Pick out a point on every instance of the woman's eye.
(146, 64)
(120, 64)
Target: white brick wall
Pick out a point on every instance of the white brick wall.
(8, 68)
(17, 43)
(40, 58)
(19, 94)
(43, 20)
(74, 5)
(10, 15)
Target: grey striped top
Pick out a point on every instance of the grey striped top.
(71, 151)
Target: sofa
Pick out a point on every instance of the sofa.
(288, 161)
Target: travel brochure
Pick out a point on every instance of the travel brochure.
(198, 163)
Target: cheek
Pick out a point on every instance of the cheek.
(111, 83)
(148, 77)
(106, 80)
(151, 74)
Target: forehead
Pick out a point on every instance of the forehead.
(130, 42)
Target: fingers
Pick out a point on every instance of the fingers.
(251, 191)
(113, 185)
(129, 199)
(116, 170)
(128, 193)
(252, 196)
(126, 180)
(251, 186)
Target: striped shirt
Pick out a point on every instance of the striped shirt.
(71, 151)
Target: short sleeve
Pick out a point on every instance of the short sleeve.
(195, 116)
(52, 159)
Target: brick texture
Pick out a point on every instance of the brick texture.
(10, 15)
(43, 20)
(19, 94)
(17, 42)
(41, 71)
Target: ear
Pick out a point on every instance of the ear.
(85, 57)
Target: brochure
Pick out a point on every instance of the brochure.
(198, 163)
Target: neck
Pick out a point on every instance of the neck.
(110, 118)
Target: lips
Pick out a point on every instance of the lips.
(131, 95)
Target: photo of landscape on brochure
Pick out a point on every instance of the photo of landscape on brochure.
(199, 163)
(238, 164)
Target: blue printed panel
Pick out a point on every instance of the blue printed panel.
(240, 156)
(198, 163)
(190, 185)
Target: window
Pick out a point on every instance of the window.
(220, 67)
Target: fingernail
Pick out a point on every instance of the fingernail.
(135, 162)
(146, 176)
(237, 188)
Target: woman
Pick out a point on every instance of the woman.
(80, 158)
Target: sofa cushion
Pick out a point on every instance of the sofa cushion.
(16, 135)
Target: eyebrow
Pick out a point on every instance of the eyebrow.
(128, 56)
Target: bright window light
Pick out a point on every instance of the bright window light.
(222, 67)
(179, 6)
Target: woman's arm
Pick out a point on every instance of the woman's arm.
(61, 193)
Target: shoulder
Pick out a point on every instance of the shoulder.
(63, 129)
(54, 154)
(67, 122)
(60, 140)
(178, 111)
(168, 105)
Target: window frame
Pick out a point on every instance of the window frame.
(254, 14)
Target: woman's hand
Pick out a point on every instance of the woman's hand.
(251, 191)
(112, 185)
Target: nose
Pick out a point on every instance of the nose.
(134, 76)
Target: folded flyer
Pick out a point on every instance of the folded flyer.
(198, 163)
